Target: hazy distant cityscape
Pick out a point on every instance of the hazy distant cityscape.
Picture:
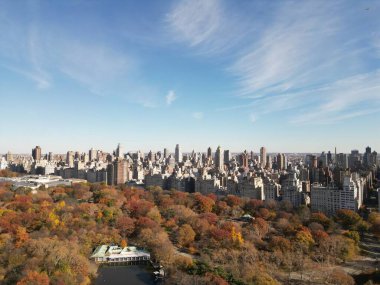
(302, 179)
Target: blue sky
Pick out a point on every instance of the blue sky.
(294, 76)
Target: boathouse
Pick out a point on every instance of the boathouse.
(115, 254)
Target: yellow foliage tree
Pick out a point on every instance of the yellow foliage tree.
(21, 236)
(123, 243)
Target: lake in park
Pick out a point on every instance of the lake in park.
(123, 275)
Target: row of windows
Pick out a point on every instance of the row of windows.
(123, 258)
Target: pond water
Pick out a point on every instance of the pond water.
(122, 275)
(363, 278)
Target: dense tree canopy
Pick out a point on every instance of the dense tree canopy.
(47, 238)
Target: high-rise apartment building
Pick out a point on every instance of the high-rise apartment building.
(227, 156)
(281, 161)
(121, 171)
(70, 158)
(209, 152)
(219, 161)
(36, 153)
(342, 160)
(9, 157)
(263, 157)
(325, 199)
(178, 154)
(291, 189)
(119, 151)
(271, 189)
(166, 153)
(93, 154)
(329, 199)
(243, 159)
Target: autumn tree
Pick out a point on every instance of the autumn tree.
(339, 277)
(34, 278)
(21, 236)
(261, 227)
(203, 204)
(304, 238)
(374, 220)
(347, 218)
(186, 235)
(320, 218)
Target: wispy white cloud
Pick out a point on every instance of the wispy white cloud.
(93, 65)
(351, 97)
(209, 26)
(197, 115)
(195, 21)
(170, 97)
(41, 81)
(306, 58)
(290, 52)
(21, 49)
(33, 50)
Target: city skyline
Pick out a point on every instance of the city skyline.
(290, 76)
(120, 149)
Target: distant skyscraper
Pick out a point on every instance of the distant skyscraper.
(263, 156)
(329, 157)
(367, 156)
(121, 171)
(166, 153)
(209, 152)
(227, 156)
(323, 160)
(151, 156)
(50, 156)
(342, 160)
(36, 153)
(70, 158)
(119, 151)
(9, 156)
(219, 162)
(280, 161)
(243, 159)
(269, 162)
(178, 154)
(92, 154)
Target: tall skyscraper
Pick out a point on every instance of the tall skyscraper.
(178, 154)
(9, 156)
(50, 156)
(263, 157)
(280, 161)
(119, 151)
(166, 153)
(227, 156)
(209, 152)
(243, 159)
(70, 158)
(121, 171)
(219, 162)
(342, 160)
(92, 154)
(269, 162)
(36, 153)
(367, 156)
